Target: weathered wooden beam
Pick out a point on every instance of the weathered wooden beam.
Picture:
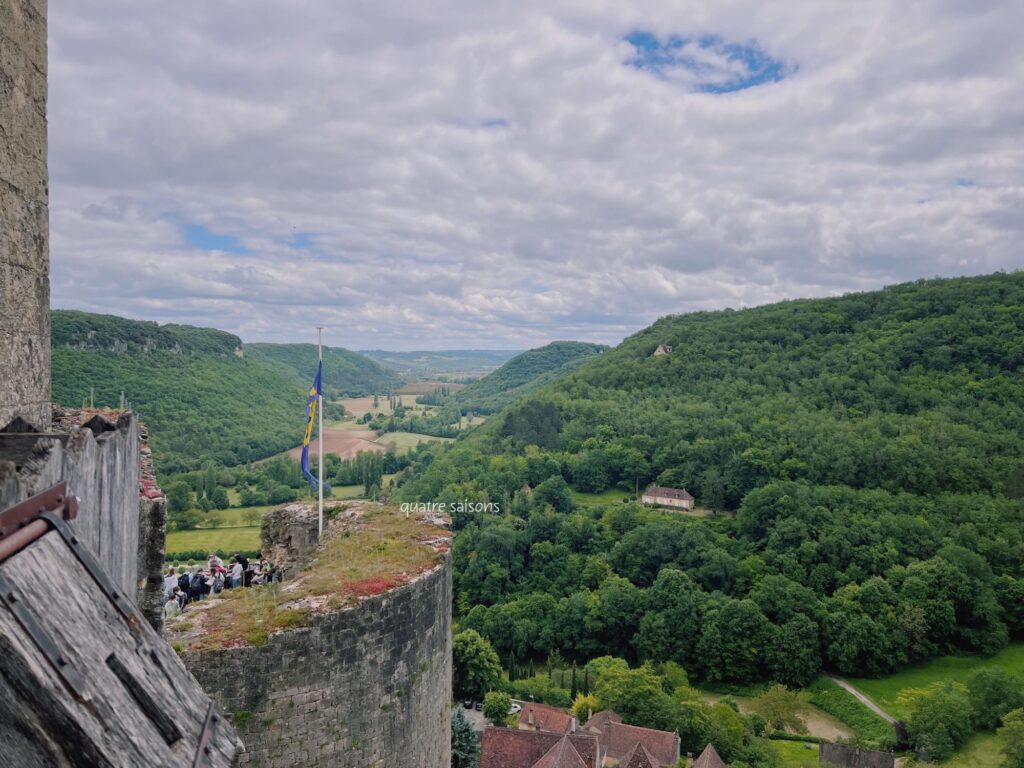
(132, 702)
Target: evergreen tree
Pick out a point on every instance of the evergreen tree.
(465, 744)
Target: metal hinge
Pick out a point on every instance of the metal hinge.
(204, 752)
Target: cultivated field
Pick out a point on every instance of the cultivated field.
(345, 443)
(211, 539)
(426, 387)
(404, 441)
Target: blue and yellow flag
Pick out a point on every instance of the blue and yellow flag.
(311, 402)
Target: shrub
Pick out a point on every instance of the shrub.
(540, 688)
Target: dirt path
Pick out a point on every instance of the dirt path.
(862, 699)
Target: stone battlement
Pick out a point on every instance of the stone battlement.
(347, 664)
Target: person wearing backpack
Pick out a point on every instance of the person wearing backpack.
(218, 580)
(197, 585)
(184, 582)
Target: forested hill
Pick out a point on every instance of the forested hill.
(203, 396)
(523, 374)
(109, 333)
(346, 374)
(871, 445)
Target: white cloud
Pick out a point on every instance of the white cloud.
(473, 174)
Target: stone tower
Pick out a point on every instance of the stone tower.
(24, 215)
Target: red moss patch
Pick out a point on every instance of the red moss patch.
(371, 586)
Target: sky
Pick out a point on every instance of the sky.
(466, 174)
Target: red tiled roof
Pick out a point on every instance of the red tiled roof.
(619, 739)
(668, 493)
(508, 748)
(561, 755)
(709, 759)
(599, 720)
(639, 757)
(541, 717)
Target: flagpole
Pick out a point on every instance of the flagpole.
(320, 432)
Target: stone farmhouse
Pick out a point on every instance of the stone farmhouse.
(677, 498)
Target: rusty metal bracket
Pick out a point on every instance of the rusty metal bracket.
(204, 750)
(72, 678)
(52, 499)
(121, 602)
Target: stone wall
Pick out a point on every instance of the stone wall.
(289, 536)
(842, 756)
(101, 468)
(368, 687)
(24, 217)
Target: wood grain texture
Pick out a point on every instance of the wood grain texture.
(142, 709)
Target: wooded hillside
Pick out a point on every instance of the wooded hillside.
(523, 374)
(870, 446)
(201, 400)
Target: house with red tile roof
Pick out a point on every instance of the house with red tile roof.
(599, 721)
(541, 717)
(656, 495)
(508, 748)
(618, 740)
(639, 757)
(709, 759)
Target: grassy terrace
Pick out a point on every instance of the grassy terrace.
(368, 550)
(886, 690)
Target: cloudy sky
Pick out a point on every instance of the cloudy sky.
(463, 173)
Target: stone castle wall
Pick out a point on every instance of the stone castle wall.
(24, 215)
(368, 687)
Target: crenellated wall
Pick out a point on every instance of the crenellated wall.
(367, 687)
(24, 215)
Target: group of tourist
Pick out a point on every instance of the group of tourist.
(183, 586)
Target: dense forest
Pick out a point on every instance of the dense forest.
(346, 374)
(523, 374)
(204, 398)
(858, 459)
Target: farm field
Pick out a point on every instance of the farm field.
(796, 754)
(426, 387)
(345, 443)
(210, 539)
(405, 441)
(239, 516)
(357, 406)
(884, 691)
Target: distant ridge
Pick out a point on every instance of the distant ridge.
(205, 396)
(453, 363)
(346, 373)
(525, 373)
